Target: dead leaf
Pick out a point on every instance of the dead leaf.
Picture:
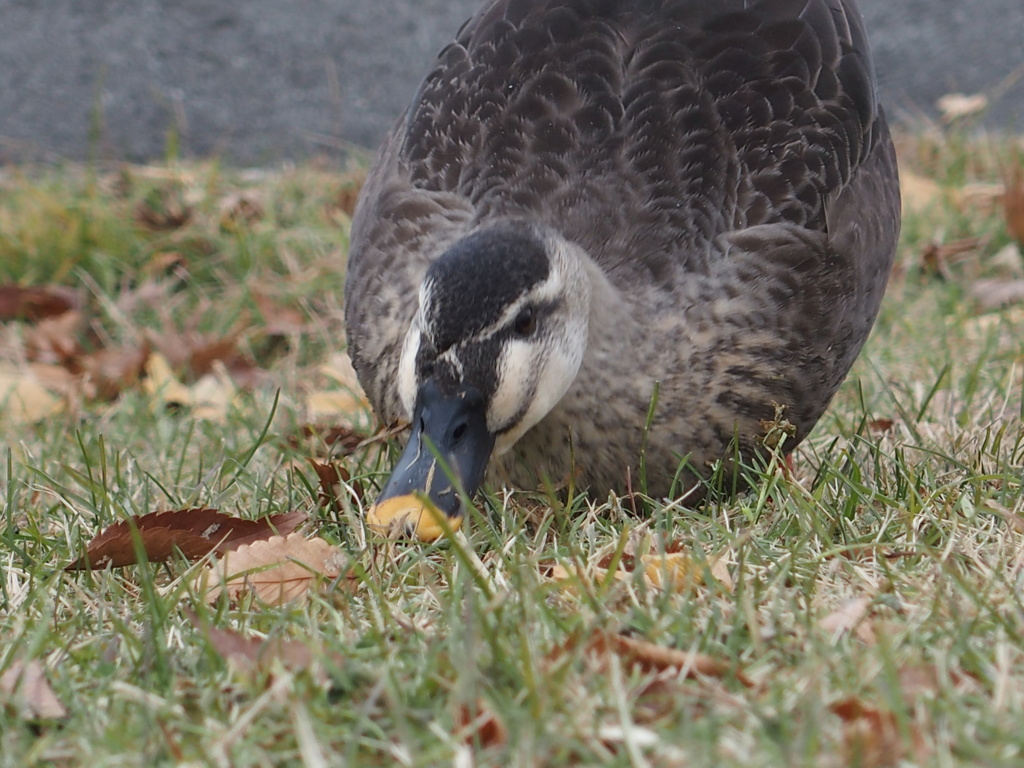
(339, 369)
(163, 209)
(341, 439)
(24, 687)
(240, 209)
(192, 532)
(677, 571)
(1008, 262)
(209, 398)
(936, 257)
(331, 476)
(1013, 204)
(872, 737)
(650, 657)
(480, 726)
(880, 426)
(108, 372)
(56, 340)
(36, 302)
(250, 655)
(918, 192)
(996, 294)
(22, 397)
(277, 570)
(956, 106)
(167, 264)
(851, 616)
(348, 194)
(279, 319)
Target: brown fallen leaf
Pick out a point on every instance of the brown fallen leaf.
(650, 657)
(277, 570)
(24, 687)
(192, 532)
(331, 475)
(479, 726)
(851, 616)
(872, 737)
(36, 302)
(880, 426)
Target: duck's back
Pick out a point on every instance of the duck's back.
(677, 120)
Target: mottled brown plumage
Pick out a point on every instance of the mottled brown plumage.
(717, 180)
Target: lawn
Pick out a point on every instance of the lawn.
(864, 608)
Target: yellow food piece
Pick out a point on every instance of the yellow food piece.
(407, 515)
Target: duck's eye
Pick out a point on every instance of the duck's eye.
(525, 323)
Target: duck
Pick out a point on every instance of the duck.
(619, 244)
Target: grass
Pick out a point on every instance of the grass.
(906, 498)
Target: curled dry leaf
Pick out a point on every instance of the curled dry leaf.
(480, 726)
(277, 570)
(650, 657)
(25, 687)
(192, 532)
(332, 475)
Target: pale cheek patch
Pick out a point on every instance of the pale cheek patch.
(516, 372)
(532, 380)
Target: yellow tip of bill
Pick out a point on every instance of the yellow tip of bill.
(408, 516)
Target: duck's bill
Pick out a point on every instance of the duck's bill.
(443, 463)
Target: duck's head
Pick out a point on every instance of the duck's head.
(497, 340)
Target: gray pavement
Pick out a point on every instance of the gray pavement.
(257, 82)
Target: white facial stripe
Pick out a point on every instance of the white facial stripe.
(408, 382)
(517, 371)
